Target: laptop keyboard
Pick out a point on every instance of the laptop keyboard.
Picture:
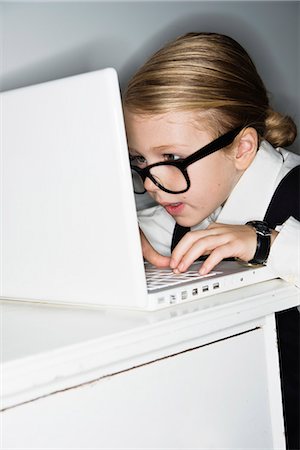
(162, 278)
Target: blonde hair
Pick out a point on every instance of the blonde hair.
(212, 73)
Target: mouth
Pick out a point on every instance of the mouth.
(174, 208)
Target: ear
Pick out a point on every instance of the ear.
(246, 148)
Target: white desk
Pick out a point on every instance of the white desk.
(199, 375)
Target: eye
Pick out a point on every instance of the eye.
(137, 160)
(171, 157)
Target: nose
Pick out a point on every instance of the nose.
(150, 186)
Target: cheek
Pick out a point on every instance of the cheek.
(212, 182)
(203, 178)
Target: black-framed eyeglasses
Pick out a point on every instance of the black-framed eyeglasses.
(172, 176)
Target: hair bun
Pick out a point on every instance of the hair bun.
(280, 130)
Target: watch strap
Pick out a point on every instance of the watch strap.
(263, 243)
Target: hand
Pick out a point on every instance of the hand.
(151, 255)
(219, 241)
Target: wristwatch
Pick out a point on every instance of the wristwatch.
(263, 234)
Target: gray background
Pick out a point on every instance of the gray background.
(41, 41)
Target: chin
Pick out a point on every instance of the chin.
(186, 222)
(191, 220)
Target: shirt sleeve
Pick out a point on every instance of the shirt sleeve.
(284, 258)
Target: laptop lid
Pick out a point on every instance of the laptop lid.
(67, 204)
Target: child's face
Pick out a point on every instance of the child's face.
(177, 135)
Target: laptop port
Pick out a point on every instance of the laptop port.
(216, 285)
(172, 299)
(184, 295)
(195, 291)
(205, 288)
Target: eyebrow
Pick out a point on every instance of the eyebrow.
(162, 147)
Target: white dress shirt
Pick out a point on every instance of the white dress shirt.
(248, 200)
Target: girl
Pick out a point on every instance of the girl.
(206, 145)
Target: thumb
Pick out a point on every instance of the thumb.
(151, 255)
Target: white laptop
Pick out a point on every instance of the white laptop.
(69, 231)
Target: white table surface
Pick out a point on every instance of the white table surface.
(46, 348)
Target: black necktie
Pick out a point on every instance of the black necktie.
(178, 234)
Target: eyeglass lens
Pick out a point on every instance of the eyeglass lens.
(167, 176)
(138, 184)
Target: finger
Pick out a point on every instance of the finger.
(158, 260)
(152, 256)
(185, 245)
(199, 248)
(155, 258)
(216, 256)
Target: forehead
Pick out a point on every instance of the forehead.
(164, 129)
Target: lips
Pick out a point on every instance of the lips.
(174, 208)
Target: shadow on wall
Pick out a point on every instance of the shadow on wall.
(101, 53)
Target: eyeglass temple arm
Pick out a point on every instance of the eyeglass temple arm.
(212, 147)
